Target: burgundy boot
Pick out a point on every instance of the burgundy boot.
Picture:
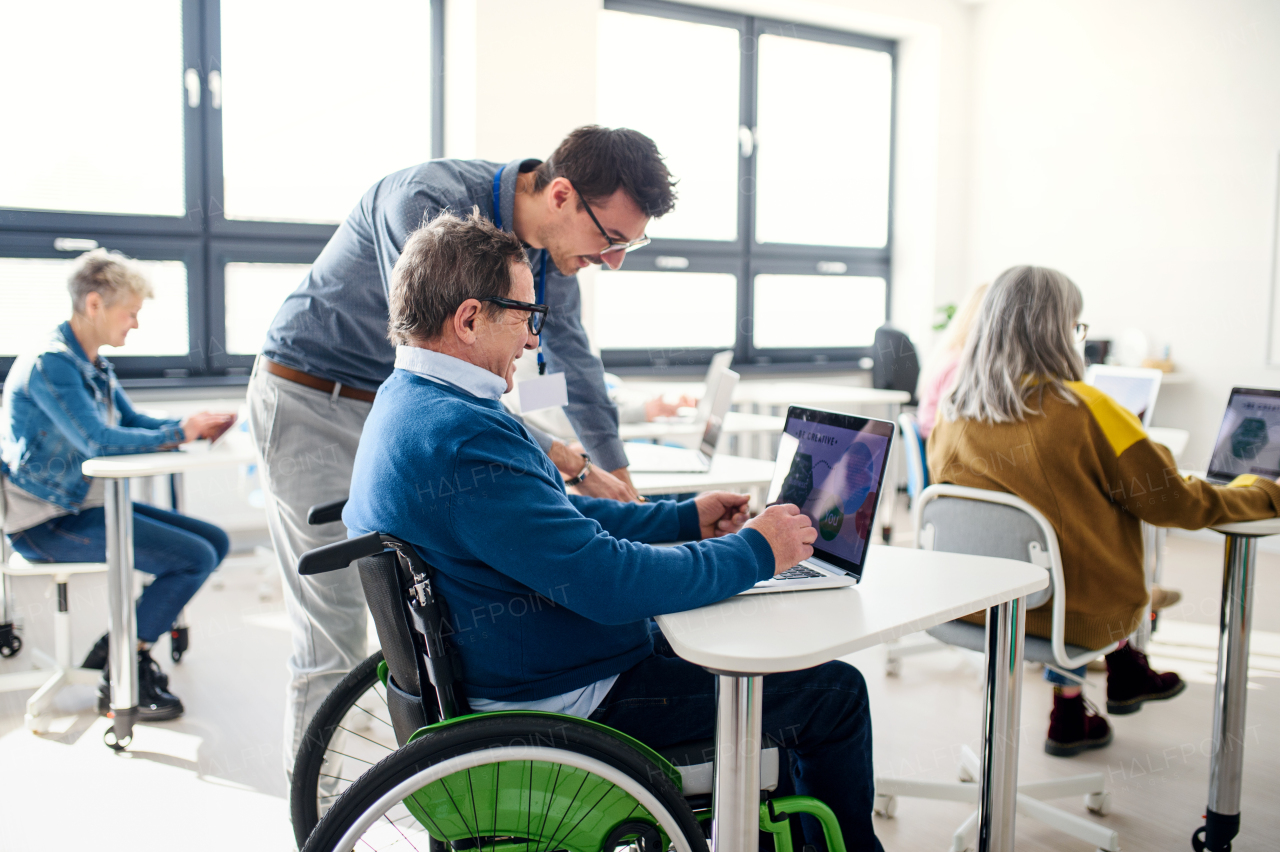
(1130, 681)
(1074, 727)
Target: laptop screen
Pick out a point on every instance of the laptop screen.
(1249, 440)
(832, 466)
(1135, 389)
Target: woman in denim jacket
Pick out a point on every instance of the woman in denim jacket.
(64, 405)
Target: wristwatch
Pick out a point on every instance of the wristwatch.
(582, 474)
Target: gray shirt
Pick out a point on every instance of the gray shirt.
(335, 324)
(22, 511)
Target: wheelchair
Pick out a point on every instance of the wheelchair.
(395, 758)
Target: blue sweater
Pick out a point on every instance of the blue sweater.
(548, 592)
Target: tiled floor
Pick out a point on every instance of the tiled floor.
(214, 780)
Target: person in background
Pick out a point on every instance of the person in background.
(1020, 420)
(939, 377)
(64, 405)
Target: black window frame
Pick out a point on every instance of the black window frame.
(203, 238)
(744, 257)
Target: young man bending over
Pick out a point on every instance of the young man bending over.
(552, 592)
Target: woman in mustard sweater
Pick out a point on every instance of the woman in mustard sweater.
(1086, 464)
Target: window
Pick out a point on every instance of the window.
(219, 142)
(779, 243)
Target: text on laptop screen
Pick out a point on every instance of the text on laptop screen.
(1249, 440)
(834, 476)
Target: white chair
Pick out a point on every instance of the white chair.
(992, 523)
(50, 674)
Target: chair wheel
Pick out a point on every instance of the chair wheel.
(178, 643)
(893, 666)
(966, 776)
(885, 806)
(1098, 803)
(13, 646)
(109, 737)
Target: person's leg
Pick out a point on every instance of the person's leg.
(307, 443)
(821, 715)
(1073, 725)
(181, 553)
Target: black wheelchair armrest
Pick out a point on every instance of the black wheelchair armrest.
(340, 554)
(324, 513)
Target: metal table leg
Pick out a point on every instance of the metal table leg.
(122, 624)
(998, 790)
(1222, 819)
(736, 786)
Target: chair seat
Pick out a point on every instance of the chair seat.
(695, 763)
(18, 566)
(973, 636)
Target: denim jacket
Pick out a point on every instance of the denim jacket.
(62, 410)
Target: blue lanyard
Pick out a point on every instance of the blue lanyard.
(542, 272)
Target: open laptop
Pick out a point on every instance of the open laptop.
(831, 466)
(1249, 439)
(720, 362)
(1136, 388)
(651, 458)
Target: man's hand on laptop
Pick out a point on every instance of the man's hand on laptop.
(721, 513)
(788, 532)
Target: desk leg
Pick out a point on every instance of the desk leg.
(1227, 758)
(122, 625)
(998, 793)
(736, 788)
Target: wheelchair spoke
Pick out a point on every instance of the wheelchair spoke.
(374, 715)
(367, 739)
(402, 834)
(338, 777)
(568, 808)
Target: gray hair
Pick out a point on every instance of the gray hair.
(1022, 344)
(108, 273)
(444, 263)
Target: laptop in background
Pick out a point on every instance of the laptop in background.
(720, 363)
(652, 458)
(1136, 388)
(831, 466)
(1249, 438)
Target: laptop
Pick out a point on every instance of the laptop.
(719, 363)
(1249, 439)
(652, 458)
(831, 466)
(1135, 388)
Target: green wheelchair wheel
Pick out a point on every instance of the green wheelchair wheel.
(503, 782)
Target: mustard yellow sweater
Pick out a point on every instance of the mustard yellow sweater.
(1092, 471)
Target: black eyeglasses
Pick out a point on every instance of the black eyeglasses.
(537, 313)
(614, 245)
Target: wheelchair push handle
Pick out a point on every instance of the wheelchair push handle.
(340, 554)
(325, 513)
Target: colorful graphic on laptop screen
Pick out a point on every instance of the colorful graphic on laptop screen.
(834, 477)
(1249, 440)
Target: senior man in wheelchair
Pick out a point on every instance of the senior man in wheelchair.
(552, 592)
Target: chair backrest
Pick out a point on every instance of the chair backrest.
(956, 519)
(894, 362)
(914, 447)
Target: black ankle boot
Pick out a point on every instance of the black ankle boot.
(97, 659)
(155, 703)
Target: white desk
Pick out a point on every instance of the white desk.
(122, 626)
(735, 423)
(1227, 757)
(727, 473)
(1175, 439)
(902, 591)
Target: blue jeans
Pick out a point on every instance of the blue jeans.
(1058, 680)
(820, 715)
(179, 551)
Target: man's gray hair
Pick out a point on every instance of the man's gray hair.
(444, 263)
(108, 273)
(1022, 344)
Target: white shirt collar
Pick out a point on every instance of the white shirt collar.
(463, 375)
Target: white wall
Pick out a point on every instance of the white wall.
(1133, 145)
(521, 75)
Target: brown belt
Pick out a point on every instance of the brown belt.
(316, 383)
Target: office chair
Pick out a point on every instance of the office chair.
(956, 519)
(894, 362)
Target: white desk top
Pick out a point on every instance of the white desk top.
(230, 450)
(1267, 526)
(902, 591)
(786, 393)
(1174, 439)
(727, 473)
(735, 423)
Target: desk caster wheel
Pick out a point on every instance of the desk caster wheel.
(893, 667)
(10, 642)
(1098, 803)
(178, 643)
(885, 806)
(114, 743)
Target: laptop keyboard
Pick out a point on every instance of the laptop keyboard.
(798, 573)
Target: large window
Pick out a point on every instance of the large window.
(220, 142)
(780, 135)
